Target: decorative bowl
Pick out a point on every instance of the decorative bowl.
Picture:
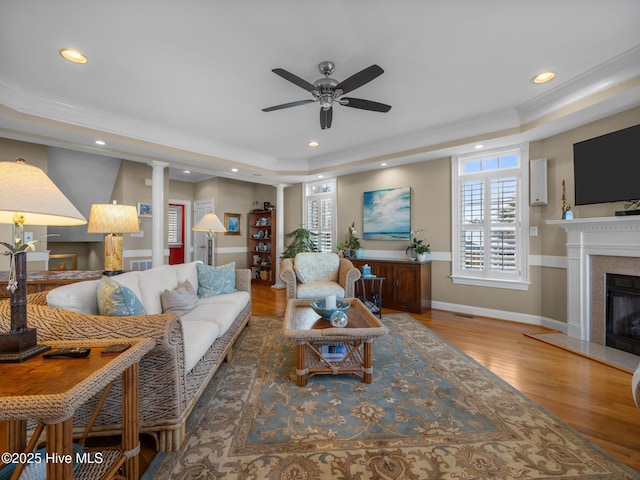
(319, 307)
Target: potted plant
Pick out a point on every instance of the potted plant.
(302, 242)
(417, 249)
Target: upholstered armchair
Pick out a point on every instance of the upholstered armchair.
(317, 275)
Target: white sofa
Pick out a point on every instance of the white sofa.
(188, 351)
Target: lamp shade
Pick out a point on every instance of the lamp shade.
(113, 218)
(27, 190)
(209, 223)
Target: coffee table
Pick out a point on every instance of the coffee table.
(326, 350)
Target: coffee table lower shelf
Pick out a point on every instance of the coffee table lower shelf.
(356, 360)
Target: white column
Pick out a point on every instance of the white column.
(279, 233)
(157, 220)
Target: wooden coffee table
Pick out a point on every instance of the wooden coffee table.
(326, 350)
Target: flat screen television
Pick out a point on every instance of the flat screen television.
(607, 168)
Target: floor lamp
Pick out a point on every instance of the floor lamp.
(114, 220)
(27, 196)
(210, 224)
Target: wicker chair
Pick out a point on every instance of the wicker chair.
(317, 275)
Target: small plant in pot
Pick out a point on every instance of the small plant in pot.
(417, 249)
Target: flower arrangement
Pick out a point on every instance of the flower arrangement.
(351, 244)
(17, 247)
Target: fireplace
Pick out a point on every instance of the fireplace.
(596, 247)
(623, 312)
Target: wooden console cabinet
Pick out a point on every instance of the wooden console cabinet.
(407, 284)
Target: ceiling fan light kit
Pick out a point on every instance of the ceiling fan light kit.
(328, 91)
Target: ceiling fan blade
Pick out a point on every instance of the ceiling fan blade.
(358, 79)
(326, 116)
(295, 79)
(365, 104)
(287, 105)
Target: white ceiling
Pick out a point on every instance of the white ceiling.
(185, 82)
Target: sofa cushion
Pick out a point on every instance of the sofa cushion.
(81, 297)
(152, 283)
(317, 267)
(117, 300)
(180, 300)
(319, 290)
(187, 271)
(216, 280)
(198, 338)
(219, 309)
(129, 280)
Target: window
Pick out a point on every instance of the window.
(174, 227)
(319, 212)
(490, 218)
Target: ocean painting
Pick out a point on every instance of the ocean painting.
(387, 214)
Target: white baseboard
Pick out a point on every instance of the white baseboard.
(501, 315)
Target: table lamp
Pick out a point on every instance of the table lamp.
(27, 196)
(211, 224)
(114, 220)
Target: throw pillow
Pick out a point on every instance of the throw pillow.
(180, 300)
(116, 300)
(216, 280)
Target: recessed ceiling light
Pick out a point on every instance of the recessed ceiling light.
(100, 142)
(478, 146)
(383, 164)
(234, 169)
(313, 143)
(320, 176)
(544, 77)
(186, 171)
(73, 55)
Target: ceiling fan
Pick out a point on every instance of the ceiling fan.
(328, 91)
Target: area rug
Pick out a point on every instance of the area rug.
(431, 412)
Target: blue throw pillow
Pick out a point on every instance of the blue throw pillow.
(216, 280)
(116, 300)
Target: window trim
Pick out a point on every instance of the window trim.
(457, 275)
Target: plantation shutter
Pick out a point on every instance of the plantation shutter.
(503, 224)
(173, 228)
(320, 200)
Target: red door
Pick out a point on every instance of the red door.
(176, 234)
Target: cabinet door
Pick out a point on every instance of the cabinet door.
(407, 289)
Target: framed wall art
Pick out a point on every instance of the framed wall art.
(387, 214)
(232, 223)
(145, 209)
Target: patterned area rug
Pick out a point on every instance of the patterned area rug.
(431, 413)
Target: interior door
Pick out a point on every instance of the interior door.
(175, 233)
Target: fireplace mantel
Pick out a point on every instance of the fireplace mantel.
(606, 236)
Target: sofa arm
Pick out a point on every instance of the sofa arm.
(243, 280)
(347, 277)
(288, 276)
